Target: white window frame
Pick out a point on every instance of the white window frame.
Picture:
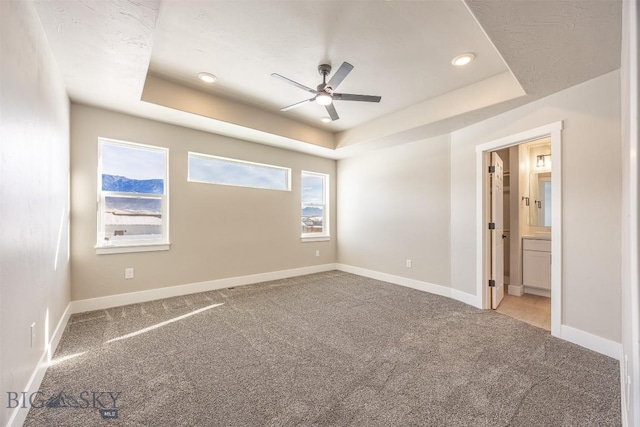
(244, 162)
(326, 234)
(142, 245)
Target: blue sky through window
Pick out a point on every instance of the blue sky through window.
(222, 171)
(312, 189)
(131, 162)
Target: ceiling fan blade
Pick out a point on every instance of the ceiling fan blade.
(332, 112)
(297, 104)
(284, 79)
(352, 97)
(339, 75)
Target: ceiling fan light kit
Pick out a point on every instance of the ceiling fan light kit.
(324, 93)
(324, 99)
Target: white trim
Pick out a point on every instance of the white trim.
(481, 244)
(326, 212)
(624, 404)
(431, 288)
(100, 196)
(323, 238)
(556, 231)
(517, 290)
(630, 77)
(465, 298)
(19, 414)
(554, 130)
(536, 291)
(519, 138)
(590, 341)
(110, 301)
(106, 250)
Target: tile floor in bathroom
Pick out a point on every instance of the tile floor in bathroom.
(532, 309)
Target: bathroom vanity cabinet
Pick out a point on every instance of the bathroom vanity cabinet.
(536, 264)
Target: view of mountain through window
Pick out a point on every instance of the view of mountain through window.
(219, 170)
(132, 180)
(313, 204)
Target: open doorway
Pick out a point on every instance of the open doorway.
(520, 181)
(519, 226)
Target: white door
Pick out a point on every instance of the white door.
(497, 233)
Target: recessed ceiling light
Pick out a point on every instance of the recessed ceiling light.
(207, 77)
(326, 119)
(463, 59)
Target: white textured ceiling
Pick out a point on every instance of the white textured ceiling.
(401, 50)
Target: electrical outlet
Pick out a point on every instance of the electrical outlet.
(32, 334)
(317, 253)
(408, 263)
(128, 273)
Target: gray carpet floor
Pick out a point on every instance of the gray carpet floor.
(324, 349)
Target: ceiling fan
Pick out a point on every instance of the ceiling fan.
(324, 94)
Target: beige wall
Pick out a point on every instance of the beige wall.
(34, 196)
(591, 191)
(215, 231)
(393, 205)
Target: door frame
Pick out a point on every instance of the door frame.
(553, 131)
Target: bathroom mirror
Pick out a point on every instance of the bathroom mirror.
(540, 199)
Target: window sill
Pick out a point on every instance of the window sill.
(152, 247)
(305, 239)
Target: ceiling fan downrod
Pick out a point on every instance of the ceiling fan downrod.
(324, 70)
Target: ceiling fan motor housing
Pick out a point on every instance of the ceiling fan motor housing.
(324, 69)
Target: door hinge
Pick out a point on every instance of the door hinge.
(492, 226)
(492, 169)
(492, 283)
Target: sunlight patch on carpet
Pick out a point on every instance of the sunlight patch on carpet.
(166, 322)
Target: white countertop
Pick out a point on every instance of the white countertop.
(537, 237)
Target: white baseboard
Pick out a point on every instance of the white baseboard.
(111, 301)
(536, 291)
(466, 298)
(624, 405)
(517, 290)
(444, 291)
(590, 341)
(20, 414)
(576, 336)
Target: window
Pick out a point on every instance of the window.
(315, 218)
(132, 197)
(219, 170)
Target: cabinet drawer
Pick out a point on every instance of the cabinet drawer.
(536, 245)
